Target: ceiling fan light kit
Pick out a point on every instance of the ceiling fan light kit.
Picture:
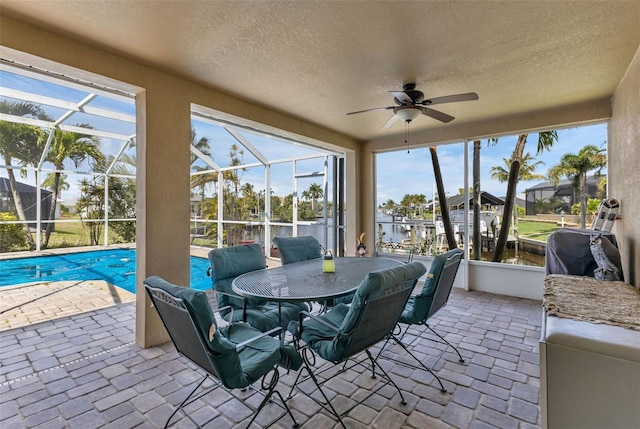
(408, 113)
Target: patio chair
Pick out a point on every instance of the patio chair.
(232, 357)
(228, 263)
(304, 248)
(297, 249)
(420, 308)
(346, 331)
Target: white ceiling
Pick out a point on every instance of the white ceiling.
(318, 60)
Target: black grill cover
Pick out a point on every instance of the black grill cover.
(569, 252)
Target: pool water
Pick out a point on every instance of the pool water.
(117, 266)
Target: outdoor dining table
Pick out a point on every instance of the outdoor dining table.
(305, 281)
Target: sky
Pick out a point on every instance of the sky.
(398, 173)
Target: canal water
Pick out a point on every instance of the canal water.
(396, 232)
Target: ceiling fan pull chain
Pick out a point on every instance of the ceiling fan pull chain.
(406, 134)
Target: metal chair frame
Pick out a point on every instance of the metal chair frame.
(441, 296)
(376, 319)
(189, 343)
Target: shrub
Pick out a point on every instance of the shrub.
(12, 235)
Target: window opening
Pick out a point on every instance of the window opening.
(67, 174)
(541, 204)
(248, 162)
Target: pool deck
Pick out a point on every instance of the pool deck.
(85, 371)
(30, 303)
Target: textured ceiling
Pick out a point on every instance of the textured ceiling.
(318, 60)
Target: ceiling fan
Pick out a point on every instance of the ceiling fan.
(410, 103)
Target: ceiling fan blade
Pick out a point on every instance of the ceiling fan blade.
(392, 120)
(469, 96)
(435, 114)
(371, 110)
(402, 97)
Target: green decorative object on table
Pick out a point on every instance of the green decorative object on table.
(328, 264)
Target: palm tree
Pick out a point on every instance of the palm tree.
(388, 205)
(313, 193)
(201, 144)
(249, 199)
(91, 206)
(477, 195)
(526, 173)
(546, 139)
(576, 168)
(49, 183)
(125, 164)
(76, 147)
(415, 201)
(501, 174)
(20, 141)
(202, 182)
(233, 178)
(444, 210)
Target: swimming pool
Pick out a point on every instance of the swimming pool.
(117, 266)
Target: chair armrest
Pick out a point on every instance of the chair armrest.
(257, 337)
(318, 318)
(226, 307)
(244, 304)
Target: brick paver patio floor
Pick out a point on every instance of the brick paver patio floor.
(83, 370)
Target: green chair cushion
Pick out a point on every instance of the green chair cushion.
(235, 260)
(226, 265)
(417, 308)
(429, 287)
(331, 345)
(234, 368)
(315, 330)
(296, 249)
(257, 358)
(304, 248)
(266, 316)
(198, 305)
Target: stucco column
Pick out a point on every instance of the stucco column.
(162, 237)
(353, 221)
(367, 186)
(623, 180)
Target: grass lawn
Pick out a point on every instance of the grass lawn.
(535, 230)
(72, 234)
